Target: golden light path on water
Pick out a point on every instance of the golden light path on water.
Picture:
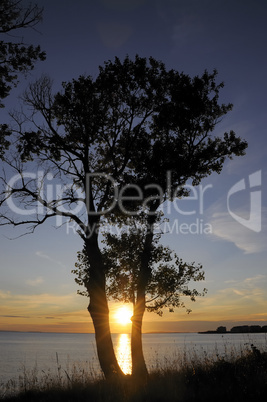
(123, 353)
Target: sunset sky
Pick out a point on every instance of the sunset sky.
(37, 288)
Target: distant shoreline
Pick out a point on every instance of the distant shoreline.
(239, 329)
(232, 333)
(244, 329)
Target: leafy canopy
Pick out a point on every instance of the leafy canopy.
(134, 122)
(15, 56)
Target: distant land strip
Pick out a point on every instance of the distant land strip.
(241, 329)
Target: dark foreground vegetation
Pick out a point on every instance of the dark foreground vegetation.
(243, 378)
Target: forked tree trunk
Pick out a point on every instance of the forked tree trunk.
(99, 311)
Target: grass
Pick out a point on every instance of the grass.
(230, 378)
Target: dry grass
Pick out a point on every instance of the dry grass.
(187, 378)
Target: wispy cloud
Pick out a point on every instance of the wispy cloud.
(258, 279)
(251, 288)
(224, 227)
(4, 295)
(35, 282)
(36, 304)
(237, 298)
(14, 316)
(41, 254)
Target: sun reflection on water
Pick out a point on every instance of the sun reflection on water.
(123, 352)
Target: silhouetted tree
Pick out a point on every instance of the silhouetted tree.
(16, 56)
(109, 141)
(167, 285)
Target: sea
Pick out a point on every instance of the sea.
(27, 355)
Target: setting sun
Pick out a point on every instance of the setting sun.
(123, 315)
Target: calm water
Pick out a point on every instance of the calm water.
(22, 352)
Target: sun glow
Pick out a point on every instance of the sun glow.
(123, 315)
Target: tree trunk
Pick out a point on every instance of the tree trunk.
(99, 311)
(139, 369)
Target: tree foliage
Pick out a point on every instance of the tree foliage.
(169, 280)
(16, 56)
